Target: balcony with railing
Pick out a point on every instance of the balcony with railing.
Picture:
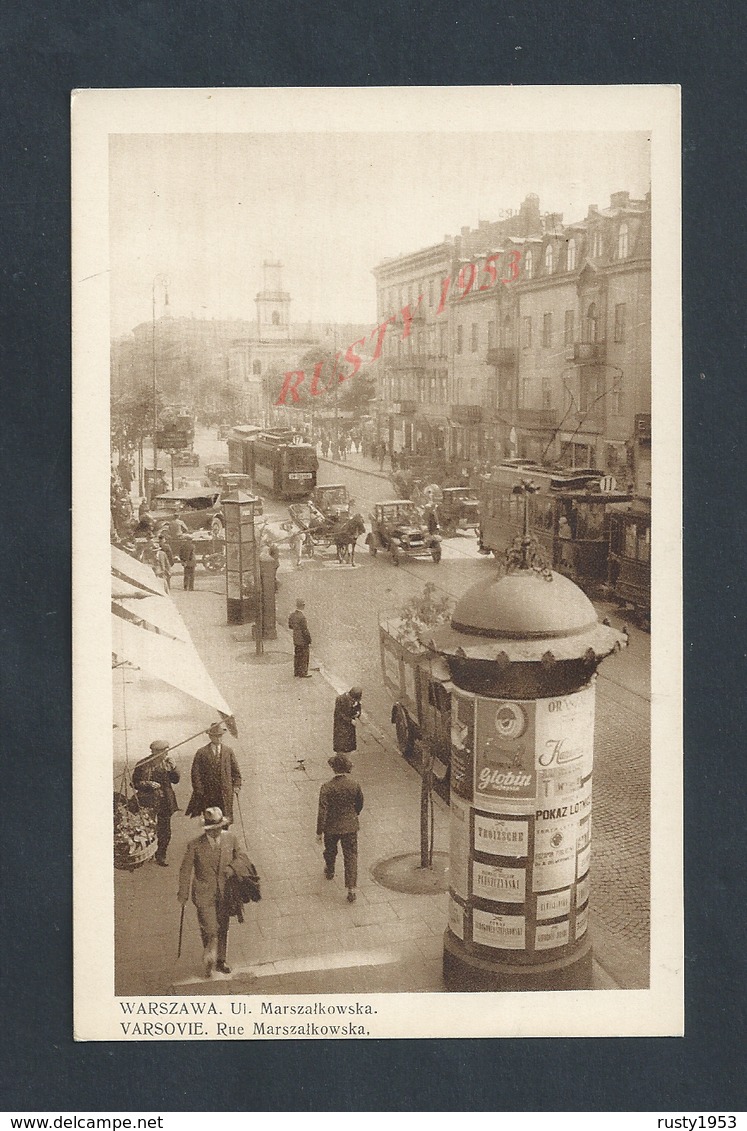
(466, 414)
(505, 358)
(587, 353)
(539, 419)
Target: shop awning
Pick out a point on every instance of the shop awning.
(176, 662)
(136, 573)
(149, 633)
(152, 612)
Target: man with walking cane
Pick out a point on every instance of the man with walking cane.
(209, 861)
(215, 776)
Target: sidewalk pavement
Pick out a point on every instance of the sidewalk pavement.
(357, 462)
(303, 937)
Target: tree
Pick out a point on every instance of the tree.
(356, 395)
(132, 417)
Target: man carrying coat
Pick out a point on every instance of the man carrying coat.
(347, 710)
(208, 862)
(215, 776)
(340, 802)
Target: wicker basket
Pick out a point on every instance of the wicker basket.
(133, 824)
(128, 862)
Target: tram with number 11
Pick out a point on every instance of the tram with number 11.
(569, 514)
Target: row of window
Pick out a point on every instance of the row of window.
(596, 251)
(595, 395)
(591, 330)
(426, 388)
(430, 289)
(428, 339)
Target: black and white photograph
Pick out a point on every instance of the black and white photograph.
(386, 386)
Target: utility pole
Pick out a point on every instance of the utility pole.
(334, 373)
(157, 279)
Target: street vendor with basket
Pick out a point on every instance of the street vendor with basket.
(153, 779)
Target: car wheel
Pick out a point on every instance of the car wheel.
(216, 527)
(403, 730)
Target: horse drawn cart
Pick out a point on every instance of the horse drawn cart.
(321, 532)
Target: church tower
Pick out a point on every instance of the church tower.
(273, 305)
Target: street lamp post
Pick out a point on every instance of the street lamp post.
(164, 282)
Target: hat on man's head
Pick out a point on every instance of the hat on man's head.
(217, 728)
(159, 744)
(356, 693)
(213, 818)
(340, 763)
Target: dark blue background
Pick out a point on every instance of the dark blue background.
(49, 49)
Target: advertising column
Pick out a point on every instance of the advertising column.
(521, 831)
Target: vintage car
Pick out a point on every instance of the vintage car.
(199, 508)
(213, 472)
(458, 509)
(186, 457)
(398, 528)
(332, 500)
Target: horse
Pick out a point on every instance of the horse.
(345, 535)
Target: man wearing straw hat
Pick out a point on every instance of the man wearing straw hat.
(207, 863)
(215, 776)
(153, 779)
(340, 802)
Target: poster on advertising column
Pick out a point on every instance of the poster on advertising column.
(504, 752)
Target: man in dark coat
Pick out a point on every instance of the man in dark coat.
(188, 559)
(154, 779)
(347, 710)
(208, 862)
(215, 776)
(301, 640)
(340, 802)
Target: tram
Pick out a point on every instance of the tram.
(569, 515)
(277, 461)
(629, 565)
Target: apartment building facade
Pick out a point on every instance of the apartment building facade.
(540, 346)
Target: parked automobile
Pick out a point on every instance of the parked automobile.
(198, 508)
(332, 500)
(186, 457)
(459, 509)
(213, 472)
(399, 529)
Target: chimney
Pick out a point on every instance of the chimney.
(619, 200)
(593, 210)
(529, 216)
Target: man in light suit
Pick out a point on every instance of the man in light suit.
(215, 776)
(208, 861)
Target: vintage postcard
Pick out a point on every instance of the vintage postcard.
(386, 387)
